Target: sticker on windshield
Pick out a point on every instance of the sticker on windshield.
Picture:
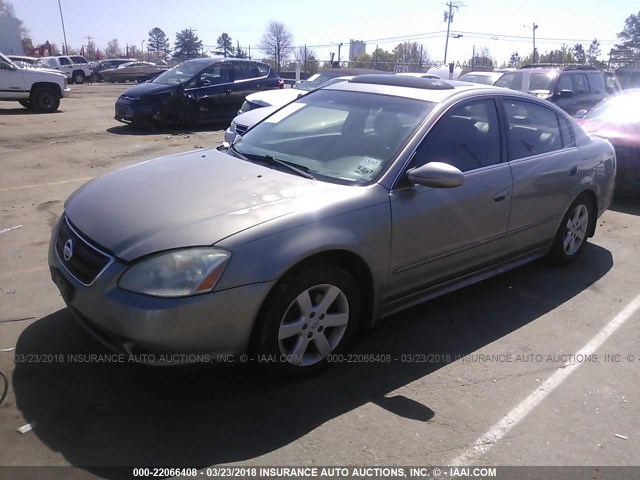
(368, 166)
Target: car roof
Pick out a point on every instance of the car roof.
(426, 89)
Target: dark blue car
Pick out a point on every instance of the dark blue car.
(199, 90)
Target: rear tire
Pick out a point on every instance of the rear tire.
(45, 100)
(311, 315)
(78, 77)
(571, 237)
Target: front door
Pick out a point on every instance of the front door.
(212, 90)
(438, 233)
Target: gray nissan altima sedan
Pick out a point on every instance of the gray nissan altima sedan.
(349, 204)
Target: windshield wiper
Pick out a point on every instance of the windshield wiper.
(293, 167)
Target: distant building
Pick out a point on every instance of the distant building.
(10, 40)
(356, 47)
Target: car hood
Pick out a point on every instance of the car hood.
(275, 97)
(41, 72)
(192, 199)
(147, 88)
(250, 118)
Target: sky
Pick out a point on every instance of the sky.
(502, 26)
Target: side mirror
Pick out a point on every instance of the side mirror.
(565, 93)
(436, 175)
(581, 113)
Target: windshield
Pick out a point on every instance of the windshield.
(180, 73)
(620, 109)
(542, 81)
(337, 136)
(6, 60)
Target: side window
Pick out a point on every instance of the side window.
(568, 135)
(64, 61)
(467, 137)
(244, 70)
(512, 80)
(580, 84)
(533, 129)
(263, 69)
(215, 74)
(596, 82)
(564, 83)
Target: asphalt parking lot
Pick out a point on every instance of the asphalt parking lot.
(479, 376)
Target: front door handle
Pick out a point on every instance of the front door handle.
(502, 195)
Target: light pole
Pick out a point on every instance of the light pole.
(142, 50)
(64, 33)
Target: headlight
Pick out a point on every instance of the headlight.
(179, 273)
(232, 127)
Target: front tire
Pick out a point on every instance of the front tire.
(45, 100)
(312, 315)
(26, 104)
(571, 237)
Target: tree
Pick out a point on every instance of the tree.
(113, 49)
(307, 59)
(482, 60)
(225, 45)
(187, 44)
(90, 51)
(383, 60)
(630, 35)
(411, 56)
(362, 60)
(515, 60)
(594, 52)
(277, 43)
(579, 54)
(134, 52)
(241, 53)
(7, 10)
(158, 41)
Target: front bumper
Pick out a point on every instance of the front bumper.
(66, 92)
(134, 112)
(217, 323)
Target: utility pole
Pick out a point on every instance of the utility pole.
(534, 41)
(64, 33)
(448, 17)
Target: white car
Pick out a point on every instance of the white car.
(75, 72)
(246, 120)
(483, 78)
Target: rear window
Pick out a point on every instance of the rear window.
(542, 81)
(512, 80)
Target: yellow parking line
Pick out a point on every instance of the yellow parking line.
(6, 189)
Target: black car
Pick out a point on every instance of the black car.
(199, 90)
(572, 88)
(98, 66)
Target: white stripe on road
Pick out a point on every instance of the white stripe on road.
(515, 416)
(6, 189)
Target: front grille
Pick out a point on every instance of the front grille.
(241, 129)
(84, 261)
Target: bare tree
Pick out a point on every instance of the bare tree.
(307, 59)
(113, 49)
(277, 43)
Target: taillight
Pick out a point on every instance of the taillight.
(280, 83)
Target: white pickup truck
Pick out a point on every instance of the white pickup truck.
(34, 88)
(75, 72)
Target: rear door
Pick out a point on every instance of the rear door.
(440, 233)
(543, 159)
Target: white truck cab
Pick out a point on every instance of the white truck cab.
(34, 88)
